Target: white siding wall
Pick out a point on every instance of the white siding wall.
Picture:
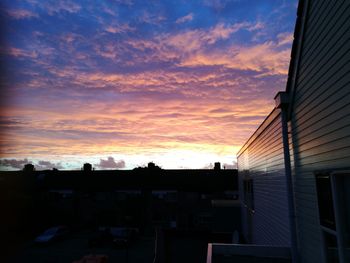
(262, 159)
(320, 119)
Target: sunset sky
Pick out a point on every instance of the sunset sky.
(119, 83)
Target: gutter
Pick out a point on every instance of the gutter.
(282, 100)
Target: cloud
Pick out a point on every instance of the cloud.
(14, 163)
(47, 165)
(125, 2)
(18, 52)
(184, 19)
(266, 57)
(21, 14)
(199, 47)
(192, 40)
(55, 7)
(208, 166)
(151, 18)
(59, 6)
(218, 5)
(230, 165)
(285, 38)
(110, 163)
(123, 28)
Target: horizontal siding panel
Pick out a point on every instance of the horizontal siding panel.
(273, 147)
(275, 150)
(308, 206)
(338, 162)
(307, 182)
(272, 162)
(272, 140)
(309, 217)
(259, 153)
(336, 77)
(320, 120)
(330, 57)
(325, 110)
(265, 124)
(337, 128)
(314, 233)
(316, 13)
(331, 92)
(262, 160)
(315, 33)
(306, 196)
(321, 161)
(331, 34)
(320, 19)
(315, 10)
(325, 145)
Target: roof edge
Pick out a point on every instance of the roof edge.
(266, 123)
(299, 30)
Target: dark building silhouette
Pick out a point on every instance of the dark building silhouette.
(87, 167)
(28, 167)
(197, 206)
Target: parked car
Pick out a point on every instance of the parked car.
(52, 234)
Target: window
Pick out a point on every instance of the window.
(248, 193)
(334, 205)
(331, 247)
(325, 201)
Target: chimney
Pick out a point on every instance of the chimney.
(87, 167)
(151, 165)
(217, 166)
(28, 167)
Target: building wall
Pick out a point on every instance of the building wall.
(320, 114)
(261, 159)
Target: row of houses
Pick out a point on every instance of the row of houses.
(197, 205)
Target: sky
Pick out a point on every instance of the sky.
(120, 83)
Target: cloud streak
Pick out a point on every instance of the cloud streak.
(110, 163)
(184, 19)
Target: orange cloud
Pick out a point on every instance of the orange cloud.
(266, 58)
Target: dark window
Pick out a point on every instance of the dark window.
(325, 201)
(248, 193)
(331, 247)
(333, 189)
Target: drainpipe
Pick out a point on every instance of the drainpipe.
(281, 100)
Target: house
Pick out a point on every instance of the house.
(294, 171)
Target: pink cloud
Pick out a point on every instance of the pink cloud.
(17, 52)
(192, 40)
(267, 57)
(14, 163)
(110, 163)
(149, 18)
(123, 28)
(285, 38)
(46, 165)
(55, 7)
(21, 14)
(184, 19)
